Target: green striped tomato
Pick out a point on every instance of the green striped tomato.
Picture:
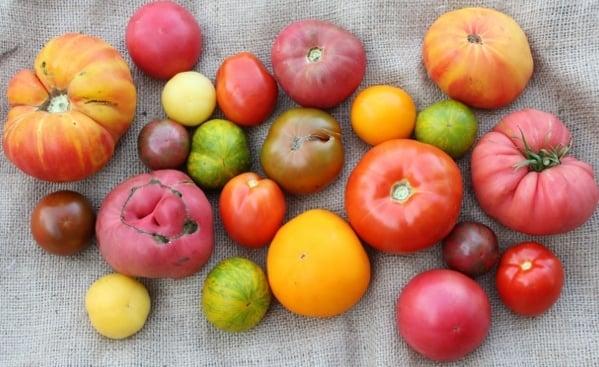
(449, 125)
(236, 295)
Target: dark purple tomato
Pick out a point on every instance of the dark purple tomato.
(63, 222)
(163, 144)
(471, 248)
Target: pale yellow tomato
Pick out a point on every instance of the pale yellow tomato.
(382, 112)
(189, 98)
(117, 305)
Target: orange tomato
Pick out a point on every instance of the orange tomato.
(382, 112)
(68, 113)
(317, 266)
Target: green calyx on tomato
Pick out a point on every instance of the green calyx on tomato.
(303, 151)
(219, 152)
(544, 158)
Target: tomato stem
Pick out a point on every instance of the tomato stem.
(544, 158)
(315, 54)
(401, 191)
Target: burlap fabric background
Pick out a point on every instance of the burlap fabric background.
(42, 316)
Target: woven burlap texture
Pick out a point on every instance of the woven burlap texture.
(42, 316)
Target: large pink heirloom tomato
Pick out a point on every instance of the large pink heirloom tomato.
(68, 113)
(478, 56)
(156, 225)
(523, 176)
(317, 63)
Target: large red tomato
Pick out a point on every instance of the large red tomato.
(524, 178)
(318, 63)
(252, 209)
(245, 90)
(529, 278)
(68, 113)
(443, 314)
(404, 196)
(478, 56)
(163, 39)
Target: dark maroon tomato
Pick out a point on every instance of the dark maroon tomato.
(163, 144)
(63, 222)
(471, 248)
(317, 63)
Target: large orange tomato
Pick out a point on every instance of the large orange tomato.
(404, 196)
(317, 266)
(478, 56)
(68, 113)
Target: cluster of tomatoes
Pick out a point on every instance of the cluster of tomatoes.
(403, 196)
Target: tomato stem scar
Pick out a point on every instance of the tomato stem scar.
(475, 38)
(252, 183)
(315, 54)
(58, 103)
(401, 191)
(526, 265)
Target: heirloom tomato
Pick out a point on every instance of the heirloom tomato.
(443, 314)
(69, 112)
(471, 248)
(252, 209)
(163, 144)
(317, 266)
(189, 98)
(163, 39)
(303, 151)
(62, 223)
(382, 112)
(523, 176)
(245, 90)
(529, 278)
(478, 56)
(404, 196)
(317, 63)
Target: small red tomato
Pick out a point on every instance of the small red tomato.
(163, 144)
(62, 223)
(245, 90)
(163, 39)
(471, 248)
(529, 278)
(443, 314)
(252, 209)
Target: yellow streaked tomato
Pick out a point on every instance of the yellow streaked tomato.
(68, 113)
(478, 56)
(382, 112)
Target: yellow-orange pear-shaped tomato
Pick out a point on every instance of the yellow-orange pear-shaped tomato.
(68, 113)
(317, 266)
(478, 56)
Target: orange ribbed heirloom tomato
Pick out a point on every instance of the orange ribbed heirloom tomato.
(68, 113)
(478, 56)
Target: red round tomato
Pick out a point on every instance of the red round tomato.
(404, 196)
(245, 90)
(317, 63)
(252, 209)
(443, 314)
(523, 176)
(62, 223)
(163, 39)
(529, 278)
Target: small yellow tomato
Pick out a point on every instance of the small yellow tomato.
(117, 305)
(382, 112)
(189, 98)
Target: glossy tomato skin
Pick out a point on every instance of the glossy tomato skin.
(245, 91)
(62, 223)
(163, 39)
(252, 209)
(556, 199)
(529, 278)
(404, 196)
(471, 248)
(163, 144)
(317, 63)
(443, 314)
(303, 151)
